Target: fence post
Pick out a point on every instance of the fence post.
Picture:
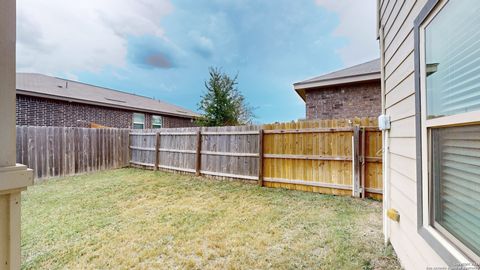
(356, 162)
(260, 157)
(362, 160)
(157, 150)
(129, 150)
(198, 156)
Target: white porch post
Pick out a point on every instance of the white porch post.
(13, 177)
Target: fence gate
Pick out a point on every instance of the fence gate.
(341, 160)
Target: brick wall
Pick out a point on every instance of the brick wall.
(177, 122)
(357, 100)
(35, 111)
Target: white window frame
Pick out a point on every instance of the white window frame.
(138, 123)
(454, 246)
(161, 120)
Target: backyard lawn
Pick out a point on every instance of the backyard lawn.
(133, 218)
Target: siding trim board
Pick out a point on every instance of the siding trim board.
(438, 247)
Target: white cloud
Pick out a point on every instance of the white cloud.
(357, 25)
(64, 36)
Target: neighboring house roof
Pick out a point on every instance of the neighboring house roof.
(368, 71)
(32, 84)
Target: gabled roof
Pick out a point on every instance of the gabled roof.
(33, 84)
(368, 71)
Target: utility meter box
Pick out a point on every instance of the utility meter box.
(384, 122)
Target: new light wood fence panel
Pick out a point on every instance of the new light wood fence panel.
(301, 166)
(307, 156)
(62, 151)
(373, 170)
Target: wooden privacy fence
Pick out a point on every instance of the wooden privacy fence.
(217, 151)
(340, 157)
(61, 151)
(331, 156)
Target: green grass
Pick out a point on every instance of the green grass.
(132, 218)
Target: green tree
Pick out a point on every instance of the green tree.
(222, 103)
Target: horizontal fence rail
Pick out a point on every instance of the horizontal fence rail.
(329, 156)
(62, 151)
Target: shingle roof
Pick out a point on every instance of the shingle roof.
(56, 88)
(363, 72)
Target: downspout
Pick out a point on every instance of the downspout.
(385, 140)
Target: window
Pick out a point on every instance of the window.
(138, 121)
(450, 101)
(452, 55)
(156, 121)
(456, 184)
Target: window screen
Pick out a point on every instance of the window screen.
(456, 182)
(452, 57)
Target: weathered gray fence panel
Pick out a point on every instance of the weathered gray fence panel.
(60, 151)
(230, 151)
(225, 151)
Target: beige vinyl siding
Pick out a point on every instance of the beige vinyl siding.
(405, 186)
(401, 72)
(383, 7)
(404, 203)
(404, 235)
(402, 109)
(403, 165)
(404, 128)
(401, 91)
(388, 10)
(403, 146)
(397, 58)
(397, 21)
(400, 16)
(395, 12)
(404, 26)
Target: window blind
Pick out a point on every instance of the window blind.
(452, 48)
(456, 182)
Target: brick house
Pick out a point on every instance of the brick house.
(49, 101)
(346, 93)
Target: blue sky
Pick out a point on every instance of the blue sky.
(163, 48)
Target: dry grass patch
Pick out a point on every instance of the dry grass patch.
(141, 219)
